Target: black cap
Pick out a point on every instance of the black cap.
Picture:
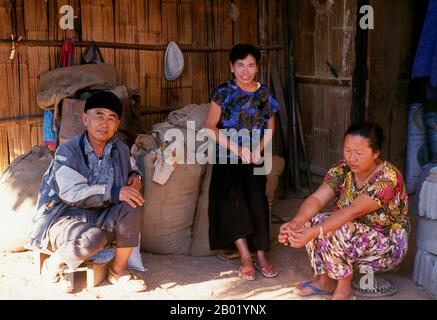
(104, 99)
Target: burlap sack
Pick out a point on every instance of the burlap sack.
(57, 84)
(178, 120)
(19, 187)
(191, 112)
(169, 209)
(200, 243)
(143, 143)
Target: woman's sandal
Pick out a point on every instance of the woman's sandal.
(267, 270)
(247, 272)
(312, 290)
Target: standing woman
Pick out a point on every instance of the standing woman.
(238, 209)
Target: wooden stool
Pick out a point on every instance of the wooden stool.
(96, 269)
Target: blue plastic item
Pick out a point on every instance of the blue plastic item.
(417, 151)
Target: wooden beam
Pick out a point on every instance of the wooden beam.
(16, 120)
(341, 82)
(132, 46)
(263, 36)
(279, 93)
(360, 74)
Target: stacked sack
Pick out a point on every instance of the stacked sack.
(170, 207)
(19, 186)
(425, 265)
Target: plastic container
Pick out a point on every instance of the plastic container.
(431, 132)
(417, 151)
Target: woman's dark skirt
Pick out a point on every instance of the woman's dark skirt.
(238, 207)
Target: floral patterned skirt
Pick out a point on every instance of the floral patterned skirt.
(355, 247)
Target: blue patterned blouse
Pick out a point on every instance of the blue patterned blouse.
(244, 110)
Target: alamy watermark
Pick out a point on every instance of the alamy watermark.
(367, 21)
(67, 19)
(367, 281)
(200, 147)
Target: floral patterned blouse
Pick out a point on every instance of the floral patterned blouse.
(386, 187)
(244, 110)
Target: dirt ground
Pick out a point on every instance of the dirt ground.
(186, 277)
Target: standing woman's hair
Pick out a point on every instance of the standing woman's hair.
(241, 51)
(369, 130)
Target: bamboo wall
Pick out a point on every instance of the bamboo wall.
(191, 23)
(324, 34)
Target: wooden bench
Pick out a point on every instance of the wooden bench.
(96, 267)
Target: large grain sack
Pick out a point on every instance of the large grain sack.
(191, 112)
(177, 119)
(143, 143)
(19, 187)
(169, 209)
(57, 84)
(71, 120)
(200, 243)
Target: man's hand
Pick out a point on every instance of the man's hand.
(131, 196)
(134, 181)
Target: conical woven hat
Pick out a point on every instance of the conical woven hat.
(173, 61)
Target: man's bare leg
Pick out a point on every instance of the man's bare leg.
(121, 259)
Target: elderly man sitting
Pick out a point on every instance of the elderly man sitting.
(89, 197)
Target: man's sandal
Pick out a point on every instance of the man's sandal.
(247, 272)
(126, 281)
(49, 275)
(65, 284)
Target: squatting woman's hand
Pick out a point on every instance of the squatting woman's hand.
(300, 237)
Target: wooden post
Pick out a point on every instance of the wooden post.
(96, 273)
(40, 257)
(263, 36)
(279, 93)
(360, 74)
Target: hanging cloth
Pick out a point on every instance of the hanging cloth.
(50, 128)
(425, 62)
(66, 55)
(92, 54)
